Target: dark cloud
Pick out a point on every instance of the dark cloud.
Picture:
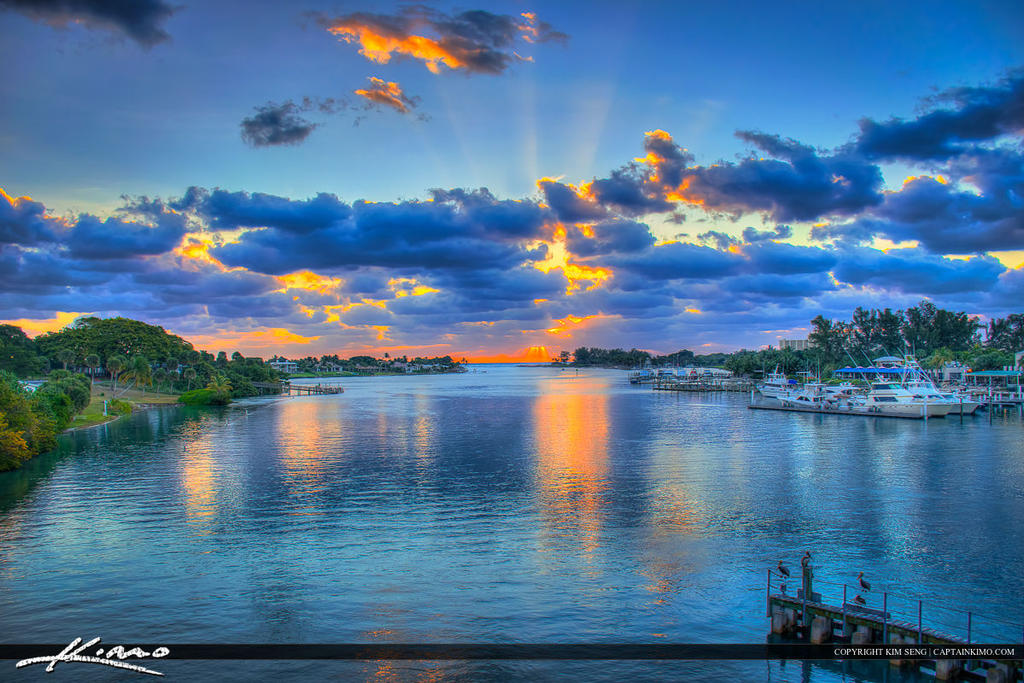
(568, 205)
(475, 41)
(915, 270)
(948, 219)
(798, 185)
(627, 192)
(225, 210)
(978, 113)
(459, 230)
(140, 20)
(23, 221)
(780, 232)
(92, 238)
(680, 261)
(787, 259)
(276, 124)
(614, 236)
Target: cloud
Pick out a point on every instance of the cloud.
(475, 41)
(614, 236)
(388, 94)
(140, 20)
(23, 221)
(276, 124)
(797, 185)
(977, 113)
(915, 270)
(983, 212)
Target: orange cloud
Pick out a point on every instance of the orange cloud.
(570, 323)
(387, 93)
(267, 339)
(34, 327)
(310, 281)
(378, 47)
(413, 288)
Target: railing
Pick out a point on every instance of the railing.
(937, 621)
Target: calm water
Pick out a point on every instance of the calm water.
(512, 505)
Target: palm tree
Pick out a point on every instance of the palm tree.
(140, 372)
(172, 369)
(65, 356)
(189, 374)
(160, 375)
(92, 361)
(115, 364)
(220, 386)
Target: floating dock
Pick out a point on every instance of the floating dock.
(830, 411)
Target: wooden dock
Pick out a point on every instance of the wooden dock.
(299, 389)
(698, 386)
(810, 616)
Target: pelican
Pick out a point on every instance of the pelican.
(860, 601)
(863, 584)
(806, 559)
(783, 570)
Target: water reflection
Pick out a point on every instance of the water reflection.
(570, 427)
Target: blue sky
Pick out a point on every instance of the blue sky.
(100, 105)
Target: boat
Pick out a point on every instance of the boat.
(891, 398)
(776, 385)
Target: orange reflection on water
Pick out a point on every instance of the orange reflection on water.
(305, 429)
(198, 475)
(571, 427)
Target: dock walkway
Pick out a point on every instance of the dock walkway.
(838, 618)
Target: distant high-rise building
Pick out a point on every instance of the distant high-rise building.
(795, 344)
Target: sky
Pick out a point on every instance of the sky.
(506, 180)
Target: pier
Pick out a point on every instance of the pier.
(703, 386)
(890, 619)
(298, 389)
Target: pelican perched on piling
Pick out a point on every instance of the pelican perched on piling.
(863, 584)
(805, 561)
(783, 569)
(860, 601)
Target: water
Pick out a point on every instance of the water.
(522, 505)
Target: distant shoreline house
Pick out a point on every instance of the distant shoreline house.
(283, 365)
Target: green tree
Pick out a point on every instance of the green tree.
(92, 361)
(115, 364)
(139, 372)
(189, 374)
(66, 356)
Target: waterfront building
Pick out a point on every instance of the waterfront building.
(283, 365)
(795, 344)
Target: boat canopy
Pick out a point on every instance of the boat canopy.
(872, 371)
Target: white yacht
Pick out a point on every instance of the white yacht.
(890, 398)
(776, 385)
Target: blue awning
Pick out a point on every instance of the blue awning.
(872, 371)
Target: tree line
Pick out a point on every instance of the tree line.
(933, 335)
(30, 422)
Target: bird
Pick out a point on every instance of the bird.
(863, 584)
(783, 569)
(806, 559)
(860, 601)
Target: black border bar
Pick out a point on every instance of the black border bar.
(537, 651)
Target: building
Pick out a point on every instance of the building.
(794, 344)
(1018, 359)
(282, 365)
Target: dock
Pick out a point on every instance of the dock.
(703, 386)
(829, 411)
(887, 618)
(298, 389)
